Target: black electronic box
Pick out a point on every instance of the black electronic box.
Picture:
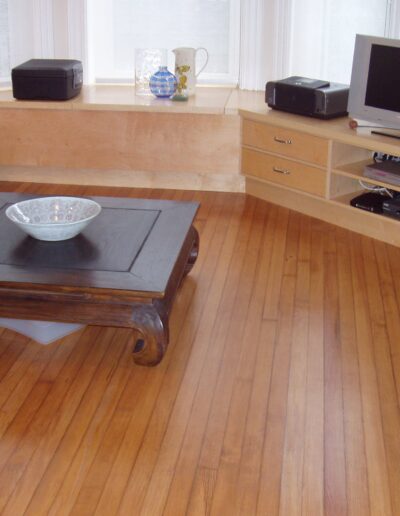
(370, 201)
(310, 97)
(47, 79)
(391, 207)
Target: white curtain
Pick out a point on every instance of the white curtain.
(265, 30)
(310, 38)
(4, 40)
(41, 29)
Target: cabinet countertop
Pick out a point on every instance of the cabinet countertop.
(251, 105)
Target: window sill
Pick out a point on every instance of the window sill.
(211, 100)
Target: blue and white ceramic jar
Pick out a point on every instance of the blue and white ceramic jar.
(163, 83)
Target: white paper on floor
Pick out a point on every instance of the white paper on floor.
(43, 332)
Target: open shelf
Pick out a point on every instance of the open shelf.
(356, 171)
(346, 198)
(380, 221)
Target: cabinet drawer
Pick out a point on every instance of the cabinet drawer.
(284, 172)
(285, 141)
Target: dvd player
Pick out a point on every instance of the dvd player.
(391, 208)
(385, 171)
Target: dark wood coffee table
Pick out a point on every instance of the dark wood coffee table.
(123, 270)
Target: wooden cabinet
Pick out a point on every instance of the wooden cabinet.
(280, 140)
(315, 167)
(284, 172)
(284, 156)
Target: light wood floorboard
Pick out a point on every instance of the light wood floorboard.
(279, 393)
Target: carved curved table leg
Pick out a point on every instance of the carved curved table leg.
(194, 252)
(152, 343)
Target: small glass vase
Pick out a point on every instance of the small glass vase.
(147, 62)
(163, 83)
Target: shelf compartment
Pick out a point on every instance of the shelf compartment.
(343, 184)
(356, 171)
(382, 226)
(344, 155)
(346, 198)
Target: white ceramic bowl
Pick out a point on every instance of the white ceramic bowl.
(53, 218)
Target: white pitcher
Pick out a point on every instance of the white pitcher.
(185, 69)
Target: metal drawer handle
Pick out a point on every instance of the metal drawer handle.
(281, 170)
(280, 140)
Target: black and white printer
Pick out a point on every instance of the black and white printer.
(310, 97)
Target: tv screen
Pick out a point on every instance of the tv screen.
(375, 81)
(383, 84)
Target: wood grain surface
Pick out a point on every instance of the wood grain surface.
(279, 394)
(117, 140)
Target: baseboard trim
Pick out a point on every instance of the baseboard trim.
(125, 178)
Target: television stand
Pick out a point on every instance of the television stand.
(315, 167)
(390, 135)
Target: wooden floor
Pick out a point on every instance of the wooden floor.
(279, 393)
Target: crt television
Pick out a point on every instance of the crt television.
(375, 81)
